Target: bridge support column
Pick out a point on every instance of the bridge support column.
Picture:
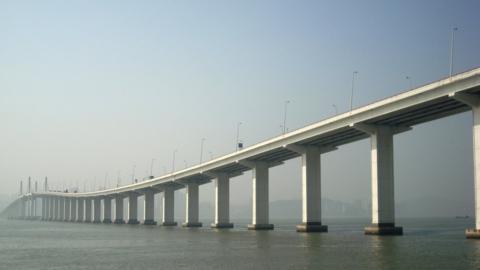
(31, 214)
(107, 210)
(311, 191)
(96, 210)
(29, 208)
(88, 210)
(222, 202)
(56, 204)
(260, 215)
(73, 210)
(119, 210)
(61, 209)
(383, 195)
(132, 209)
(80, 210)
(33, 201)
(149, 206)
(67, 209)
(474, 102)
(191, 218)
(51, 206)
(44, 208)
(168, 218)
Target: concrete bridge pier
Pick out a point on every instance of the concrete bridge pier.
(383, 195)
(474, 233)
(132, 209)
(168, 218)
(73, 209)
(96, 210)
(222, 202)
(34, 207)
(80, 210)
(119, 210)
(88, 210)
(107, 210)
(260, 215)
(192, 207)
(67, 209)
(61, 209)
(29, 208)
(51, 206)
(474, 102)
(44, 208)
(54, 205)
(311, 188)
(149, 206)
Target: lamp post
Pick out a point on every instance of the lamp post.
(353, 87)
(201, 150)
(452, 47)
(151, 167)
(118, 178)
(133, 174)
(285, 116)
(173, 160)
(238, 135)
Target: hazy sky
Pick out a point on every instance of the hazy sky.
(89, 88)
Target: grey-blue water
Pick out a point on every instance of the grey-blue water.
(427, 244)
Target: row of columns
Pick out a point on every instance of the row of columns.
(383, 213)
(382, 190)
(383, 218)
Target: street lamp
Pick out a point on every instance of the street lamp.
(238, 135)
(173, 160)
(133, 174)
(106, 180)
(151, 168)
(201, 149)
(118, 178)
(353, 86)
(452, 47)
(285, 116)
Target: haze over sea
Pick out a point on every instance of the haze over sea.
(428, 243)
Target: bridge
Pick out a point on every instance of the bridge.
(378, 121)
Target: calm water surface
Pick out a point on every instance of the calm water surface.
(427, 244)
